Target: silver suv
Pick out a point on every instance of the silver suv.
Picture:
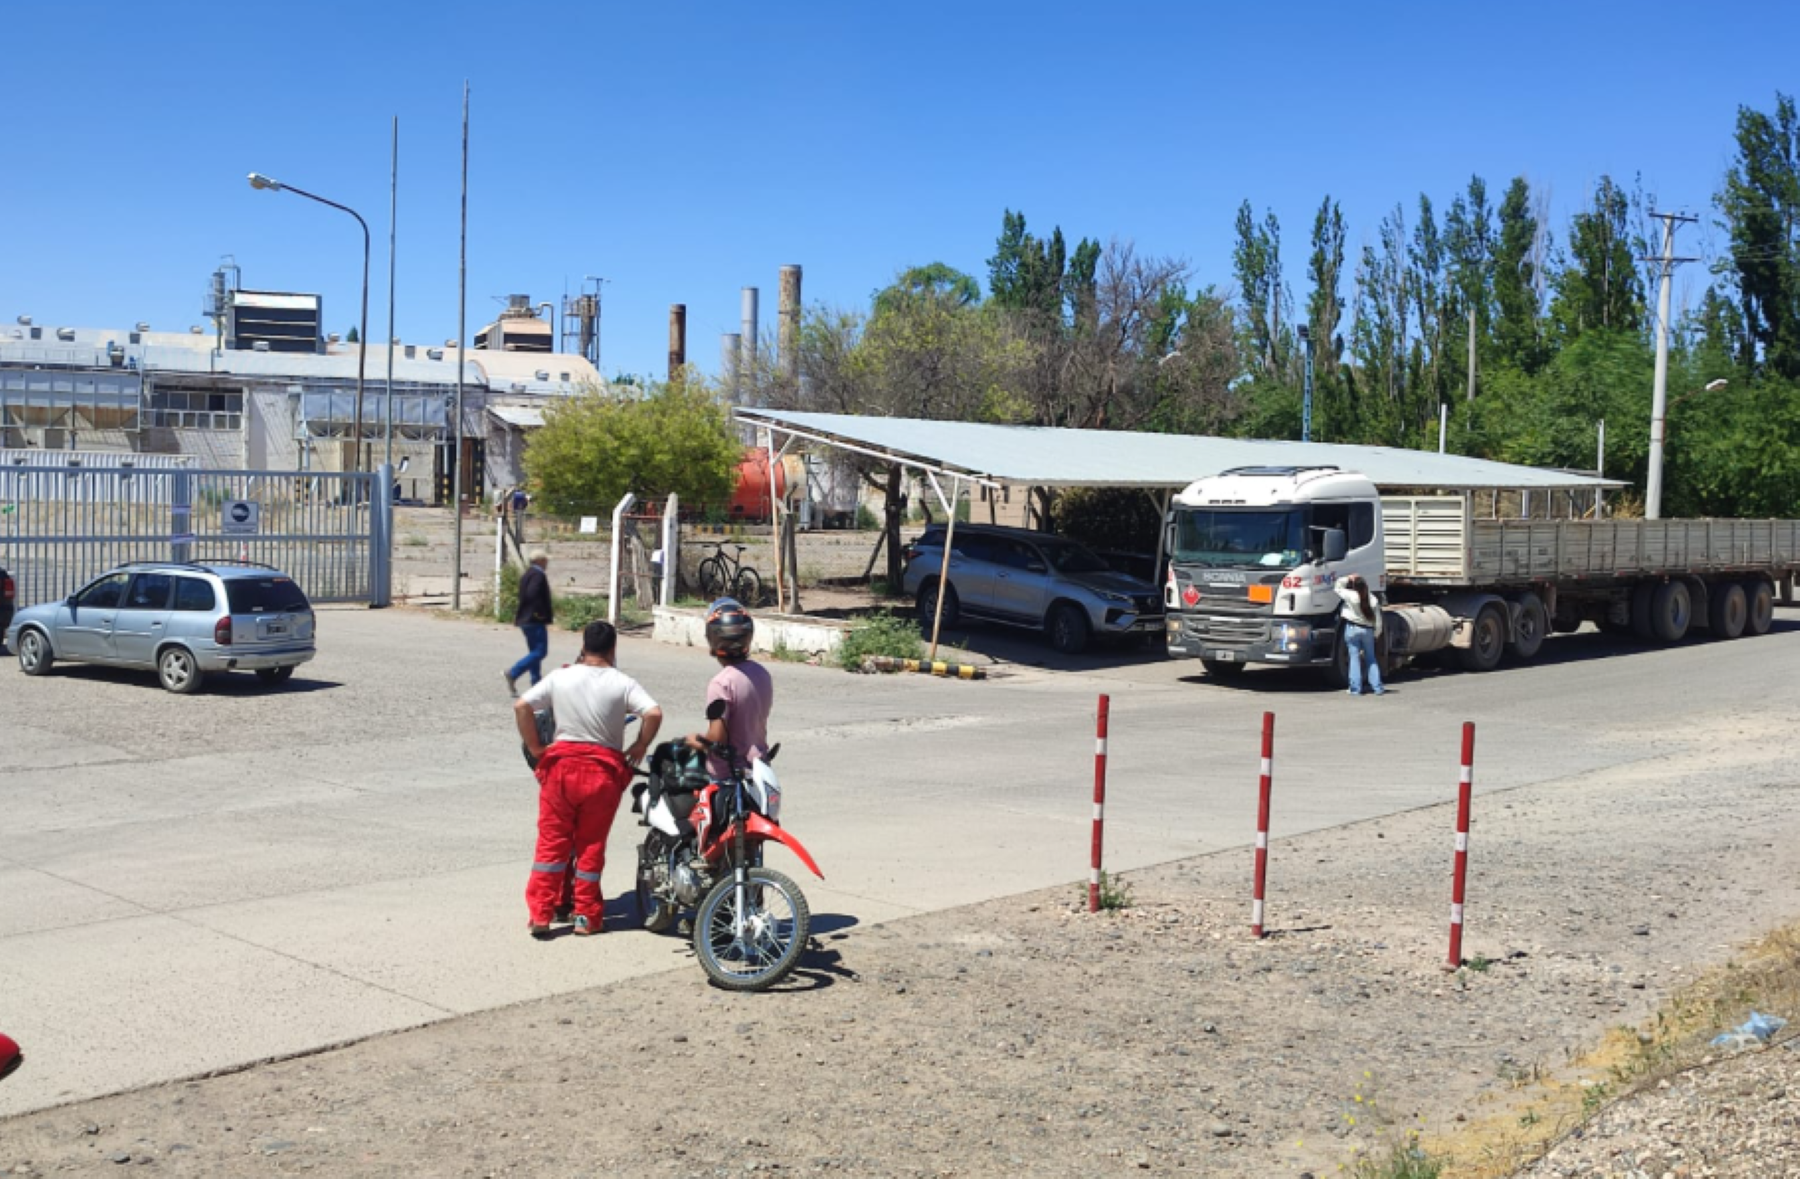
(1024, 578)
(182, 620)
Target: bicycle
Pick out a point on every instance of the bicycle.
(724, 575)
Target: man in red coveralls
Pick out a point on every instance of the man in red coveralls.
(582, 775)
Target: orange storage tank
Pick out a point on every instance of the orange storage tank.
(750, 484)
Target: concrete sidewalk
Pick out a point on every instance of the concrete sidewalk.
(193, 883)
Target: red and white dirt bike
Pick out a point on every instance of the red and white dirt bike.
(704, 851)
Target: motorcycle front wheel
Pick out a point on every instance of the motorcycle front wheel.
(757, 947)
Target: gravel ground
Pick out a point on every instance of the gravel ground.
(1025, 1037)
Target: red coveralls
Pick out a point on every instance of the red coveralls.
(579, 790)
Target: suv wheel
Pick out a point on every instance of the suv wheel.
(34, 653)
(1068, 628)
(179, 671)
(928, 604)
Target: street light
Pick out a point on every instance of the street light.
(270, 184)
(1659, 429)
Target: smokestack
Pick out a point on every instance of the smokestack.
(787, 327)
(747, 363)
(729, 344)
(677, 337)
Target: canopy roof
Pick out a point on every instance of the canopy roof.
(1041, 456)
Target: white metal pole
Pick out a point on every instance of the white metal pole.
(393, 232)
(671, 547)
(612, 577)
(499, 558)
(1443, 425)
(462, 302)
(1600, 470)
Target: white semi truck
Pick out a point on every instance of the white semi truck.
(1254, 553)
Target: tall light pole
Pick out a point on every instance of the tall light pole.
(258, 180)
(1306, 398)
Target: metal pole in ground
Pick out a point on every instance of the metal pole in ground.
(1099, 800)
(1465, 788)
(1262, 823)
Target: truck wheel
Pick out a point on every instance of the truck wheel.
(1487, 644)
(1221, 670)
(1672, 611)
(1643, 623)
(1529, 625)
(1760, 614)
(1727, 609)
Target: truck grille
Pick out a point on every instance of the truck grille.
(1227, 632)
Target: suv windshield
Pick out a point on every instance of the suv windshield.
(1268, 538)
(1072, 558)
(264, 595)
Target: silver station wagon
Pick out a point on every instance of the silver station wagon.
(183, 621)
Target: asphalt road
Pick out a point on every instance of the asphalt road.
(191, 884)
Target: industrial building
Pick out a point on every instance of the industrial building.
(264, 387)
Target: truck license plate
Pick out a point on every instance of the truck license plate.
(1225, 656)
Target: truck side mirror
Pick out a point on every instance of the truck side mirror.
(1335, 544)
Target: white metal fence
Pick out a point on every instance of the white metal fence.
(61, 526)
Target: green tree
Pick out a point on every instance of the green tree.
(594, 447)
(1469, 250)
(1333, 420)
(1516, 336)
(1600, 287)
(1761, 207)
(350, 337)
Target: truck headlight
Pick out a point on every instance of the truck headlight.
(1293, 636)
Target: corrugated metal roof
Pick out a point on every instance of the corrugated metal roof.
(1041, 456)
(524, 417)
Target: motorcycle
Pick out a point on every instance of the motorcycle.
(704, 851)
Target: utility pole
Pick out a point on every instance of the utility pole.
(1471, 354)
(1653, 485)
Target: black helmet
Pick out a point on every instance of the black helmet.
(728, 629)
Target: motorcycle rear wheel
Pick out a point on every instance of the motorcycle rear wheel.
(776, 925)
(656, 914)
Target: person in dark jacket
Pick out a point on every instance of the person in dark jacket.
(533, 620)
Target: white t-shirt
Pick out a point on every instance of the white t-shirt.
(590, 703)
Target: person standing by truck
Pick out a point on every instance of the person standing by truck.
(1362, 626)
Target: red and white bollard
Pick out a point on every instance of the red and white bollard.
(1464, 790)
(1262, 822)
(1099, 803)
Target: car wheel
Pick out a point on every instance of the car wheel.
(179, 671)
(34, 653)
(928, 604)
(275, 675)
(1068, 628)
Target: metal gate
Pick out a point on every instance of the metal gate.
(63, 525)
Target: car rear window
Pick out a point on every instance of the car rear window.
(264, 595)
(192, 594)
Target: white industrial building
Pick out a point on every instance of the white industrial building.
(266, 389)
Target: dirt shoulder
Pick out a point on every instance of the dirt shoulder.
(1023, 1036)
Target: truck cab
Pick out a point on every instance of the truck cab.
(1253, 555)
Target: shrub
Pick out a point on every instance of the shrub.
(575, 611)
(883, 634)
(507, 608)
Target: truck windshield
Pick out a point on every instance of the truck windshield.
(1268, 538)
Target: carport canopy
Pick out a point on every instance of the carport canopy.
(1044, 456)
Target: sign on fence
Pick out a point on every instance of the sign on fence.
(242, 517)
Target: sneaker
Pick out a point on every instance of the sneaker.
(511, 689)
(540, 930)
(583, 929)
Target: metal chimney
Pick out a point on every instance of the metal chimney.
(747, 365)
(677, 338)
(729, 344)
(787, 327)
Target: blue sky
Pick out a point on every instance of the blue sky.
(685, 151)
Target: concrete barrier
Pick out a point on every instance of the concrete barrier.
(798, 633)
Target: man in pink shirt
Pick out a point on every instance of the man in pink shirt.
(742, 683)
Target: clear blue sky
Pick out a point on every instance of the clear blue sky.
(685, 151)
